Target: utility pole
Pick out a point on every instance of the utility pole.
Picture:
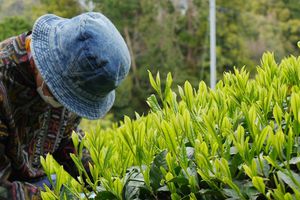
(212, 25)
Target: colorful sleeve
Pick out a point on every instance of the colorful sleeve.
(5, 42)
(15, 190)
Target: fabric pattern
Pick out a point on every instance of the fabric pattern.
(29, 128)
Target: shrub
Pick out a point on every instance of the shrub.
(238, 141)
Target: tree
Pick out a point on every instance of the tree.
(62, 8)
(275, 28)
(149, 29)
(163, 37)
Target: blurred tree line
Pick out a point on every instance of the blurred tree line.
(173, 35)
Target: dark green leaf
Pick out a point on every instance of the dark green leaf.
(286, 178)
(235, 163)
(180, 180)
(231, 194)
(155, 172)
(134, 184)
(105, 195)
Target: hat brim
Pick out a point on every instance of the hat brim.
(45, 55)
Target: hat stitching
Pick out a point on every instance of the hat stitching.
(86, 107)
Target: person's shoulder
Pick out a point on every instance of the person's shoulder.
(6, 42)
(19, 39)
(19, 43)
(13, 50)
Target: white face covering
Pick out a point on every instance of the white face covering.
(48, 99)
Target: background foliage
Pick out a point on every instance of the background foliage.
(173, 35)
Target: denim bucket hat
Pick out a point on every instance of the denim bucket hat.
(82, 60)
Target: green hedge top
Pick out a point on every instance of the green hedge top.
(238, 141)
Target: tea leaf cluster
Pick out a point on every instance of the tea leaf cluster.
(238, 141)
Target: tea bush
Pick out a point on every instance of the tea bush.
(238, 141)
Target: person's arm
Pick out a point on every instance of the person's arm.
(14, 190)
(12, 166)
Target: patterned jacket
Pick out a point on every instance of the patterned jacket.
(29, 127)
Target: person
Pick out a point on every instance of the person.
(50, 78)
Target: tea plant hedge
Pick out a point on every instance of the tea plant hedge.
(238, 141)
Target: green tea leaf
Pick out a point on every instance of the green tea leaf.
(288, 196)
(175, 196)
(277, 112)
(258, 183)
(75, 140)
(48, 195)
(248, 171)
(152, 81)
(153, 103)
(168, 84)
(262, 137)
(188, 91)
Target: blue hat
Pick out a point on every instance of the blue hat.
(82, 60)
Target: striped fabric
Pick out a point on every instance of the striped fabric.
(29, 128)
